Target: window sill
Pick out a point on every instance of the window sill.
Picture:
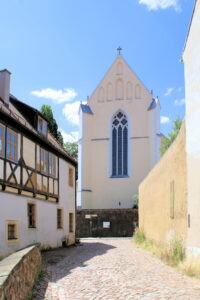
(120, 176)
(15, 160)
(32, 228)
(13, 241)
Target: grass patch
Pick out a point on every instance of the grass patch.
(38, 279)
(191, 267)
(172, 255)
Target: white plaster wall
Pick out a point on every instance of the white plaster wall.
(80, 158)
(157, 132)
(191, 58)
(14, 207)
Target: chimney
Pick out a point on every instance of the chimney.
(5, 86)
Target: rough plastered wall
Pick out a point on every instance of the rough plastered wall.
(154, 195)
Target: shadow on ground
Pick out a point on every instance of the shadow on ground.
(59, 263)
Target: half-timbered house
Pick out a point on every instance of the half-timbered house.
(37, 178)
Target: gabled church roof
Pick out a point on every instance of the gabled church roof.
(120, 57)
(86, 109)
(195, 4)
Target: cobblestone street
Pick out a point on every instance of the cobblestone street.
(111, 269)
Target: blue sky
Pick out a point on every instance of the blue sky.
(59, 50)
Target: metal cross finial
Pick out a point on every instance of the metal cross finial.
(119, 50)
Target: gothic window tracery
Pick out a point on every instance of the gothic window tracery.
(119, 144)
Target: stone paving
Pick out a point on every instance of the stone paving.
(111, 269)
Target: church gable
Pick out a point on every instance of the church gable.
(119, 83)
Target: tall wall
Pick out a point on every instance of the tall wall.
(155, 196)
(106, 222)
(191, 58)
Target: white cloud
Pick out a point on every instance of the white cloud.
(164, 120)
(69, 137)
(179, 89)
(58, 96)
(169, 91)
(70, 111)
(161, 4)
(179, 102)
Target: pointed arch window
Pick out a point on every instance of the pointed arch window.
(120, 144)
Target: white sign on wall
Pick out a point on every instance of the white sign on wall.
(106, 224)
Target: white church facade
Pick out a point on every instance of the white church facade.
(119, 139)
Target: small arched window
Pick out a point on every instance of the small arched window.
(119, 89)
(137, 91)
(119, 144)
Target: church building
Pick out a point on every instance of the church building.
(119, 139)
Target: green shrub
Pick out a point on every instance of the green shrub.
(135, 201)
(176, 252)
(172, 255)
(139, 236)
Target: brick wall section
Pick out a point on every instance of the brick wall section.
(18, 272)
(122, 222)
(154, 195)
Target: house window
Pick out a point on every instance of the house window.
(52, 165)
(59, 218)
(42, 126)
(71, 222)
(11, 144)
(2, 139)
(71, 177)
(12, 232)
(31, 215)
(43, 161)
(119, 145)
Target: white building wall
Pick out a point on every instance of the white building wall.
(80, 158)
(157, 132)
(191, 58)
(14, 207)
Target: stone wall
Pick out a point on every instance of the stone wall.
(18, 272)
(91, 222)
(157, 200)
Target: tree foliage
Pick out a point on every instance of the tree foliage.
(46, 111)
(72, 148)
(165, 144)
(135, 201)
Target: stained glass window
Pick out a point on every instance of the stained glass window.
(119, 144)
